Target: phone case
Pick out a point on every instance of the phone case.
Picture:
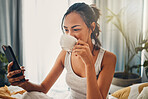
(11, 57)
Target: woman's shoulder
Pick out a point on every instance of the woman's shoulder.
(109, 54)
(61, 56)
(109, 57)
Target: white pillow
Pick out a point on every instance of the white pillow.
(143, 94)
(131, 92)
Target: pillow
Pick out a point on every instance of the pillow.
(5, 93)
(130, 92)
(143, 94)
(114, 88)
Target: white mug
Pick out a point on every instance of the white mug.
(67, 42)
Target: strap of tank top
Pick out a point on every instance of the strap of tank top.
(66, 61)
(99, 60)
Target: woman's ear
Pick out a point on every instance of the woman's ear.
(93, 26)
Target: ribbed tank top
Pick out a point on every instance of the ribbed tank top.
(77, 84)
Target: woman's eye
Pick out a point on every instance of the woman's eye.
(66, 30)
(76, 29)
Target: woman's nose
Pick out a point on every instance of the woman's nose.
(71, 33)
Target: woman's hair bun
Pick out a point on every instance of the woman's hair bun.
(96, 10)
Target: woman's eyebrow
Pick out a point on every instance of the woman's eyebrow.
(65, 27)
(75, 26)
(72, 26)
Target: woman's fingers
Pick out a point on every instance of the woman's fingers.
(78, 51)
(79, 47)
(22, 83)
(9, 66)
(12, 73)
(12, 80)
(23, 71)
(22, 68)
(19, 83)
(80, 42)
(17, 80)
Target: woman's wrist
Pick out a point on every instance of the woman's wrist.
(89, 65)
(89, 68)
(25, 85)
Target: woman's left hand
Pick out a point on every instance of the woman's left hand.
(82, 49)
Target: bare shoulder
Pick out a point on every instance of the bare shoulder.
(61, 56)
(109, 58)
(109, 55)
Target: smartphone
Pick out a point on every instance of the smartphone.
(11, 57)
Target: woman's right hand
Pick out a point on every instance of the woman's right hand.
(17, 80)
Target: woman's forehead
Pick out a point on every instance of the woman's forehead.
(73, 19)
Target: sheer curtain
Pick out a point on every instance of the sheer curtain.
(41, 35)
(85, 1)
(11, 29)
(131, 14)
(10, 25)
(145, 31)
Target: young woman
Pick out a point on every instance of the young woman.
(90, 68)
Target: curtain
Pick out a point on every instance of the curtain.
(145, 30)
(89, 2)
(11, 26)
(41, 36)
(130, 14)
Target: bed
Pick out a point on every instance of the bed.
(136, 91)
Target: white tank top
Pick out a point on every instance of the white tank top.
(77, 84)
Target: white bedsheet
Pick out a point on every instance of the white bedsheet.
(53, 94)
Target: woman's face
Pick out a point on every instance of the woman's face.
(75, 26)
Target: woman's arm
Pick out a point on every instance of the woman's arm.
(55, 72)
(98, 89)
(48, 81)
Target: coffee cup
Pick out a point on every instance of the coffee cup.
(67, 42)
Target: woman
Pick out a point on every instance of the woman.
(90, 68)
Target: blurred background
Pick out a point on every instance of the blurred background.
(33, 29)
